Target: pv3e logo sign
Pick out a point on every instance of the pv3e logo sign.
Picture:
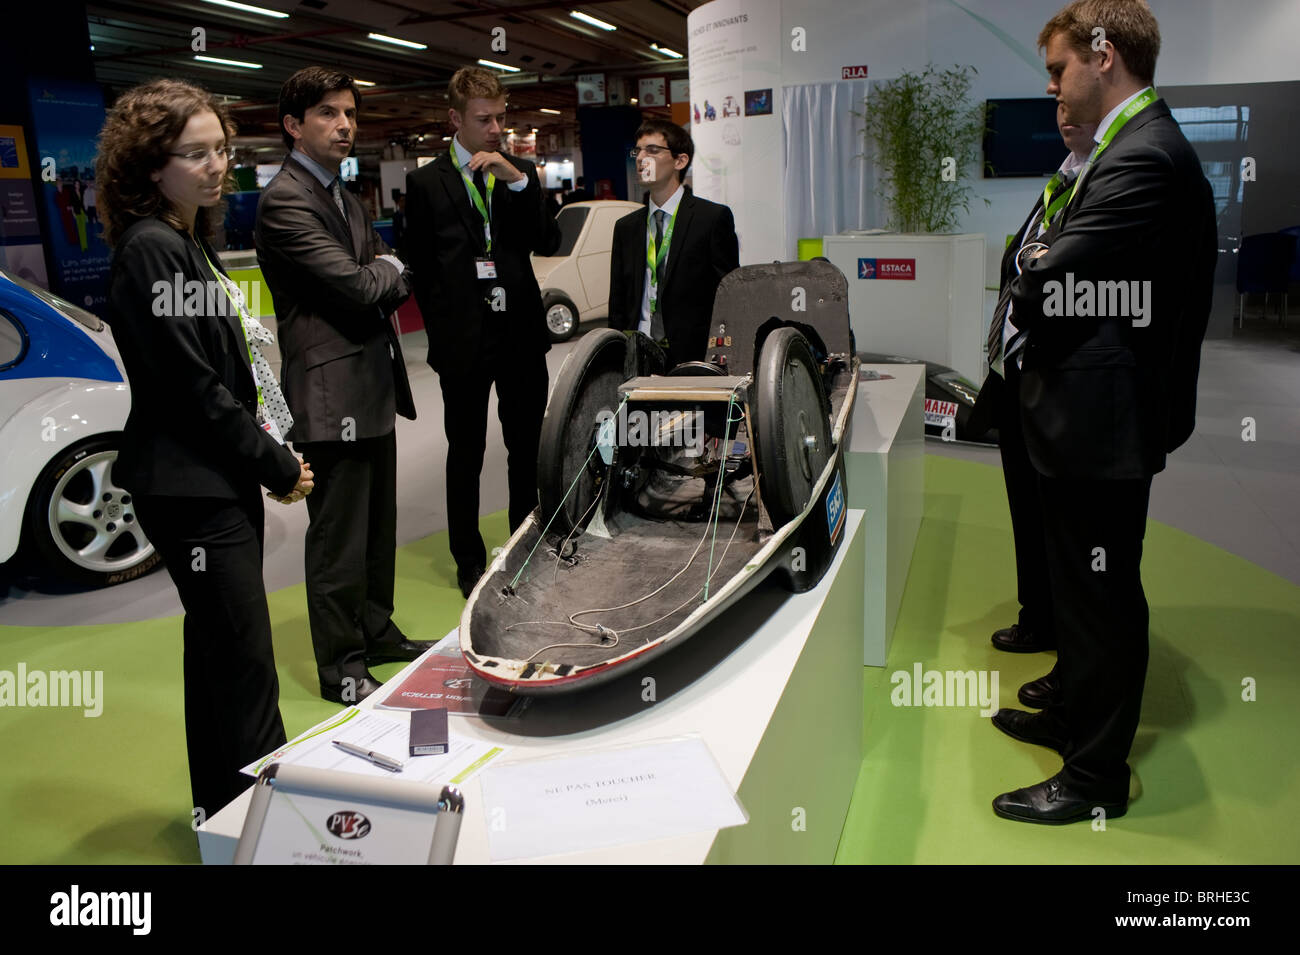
(887, 269)
(348, 825)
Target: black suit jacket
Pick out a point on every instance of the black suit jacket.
(342, 365)
(703, 250)
(191, 431)
(1100, 398)
(444, 234)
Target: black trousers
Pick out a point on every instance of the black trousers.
(1033, 588)
(212, 549)
(351, 549)
(521, 381)
(1094, 532)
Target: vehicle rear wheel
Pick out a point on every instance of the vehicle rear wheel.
(586, 385)
(793, 432)
(80, 525)
(561, 317)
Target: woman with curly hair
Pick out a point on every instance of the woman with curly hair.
(206, 415)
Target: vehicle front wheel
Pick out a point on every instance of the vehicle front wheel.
(561, 317)
(81, 526)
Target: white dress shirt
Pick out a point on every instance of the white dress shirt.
(670, 209)
(463, 156)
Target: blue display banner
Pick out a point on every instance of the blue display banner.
(67, 118)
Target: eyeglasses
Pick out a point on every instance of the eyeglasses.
(201, 157)
(654, 152)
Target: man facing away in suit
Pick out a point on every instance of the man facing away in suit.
(1113, 307)
(473, 216)
(334, 284)
(999, 404)
(668, 259)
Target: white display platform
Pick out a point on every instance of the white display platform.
(885, 464)
(774, 687)
(936, 316)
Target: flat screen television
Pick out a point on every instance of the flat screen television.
(1021, 138)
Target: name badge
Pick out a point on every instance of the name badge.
(487, 269)
(273, 429)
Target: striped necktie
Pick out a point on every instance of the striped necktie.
(1060, 182)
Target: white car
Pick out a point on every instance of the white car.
(64, 399)
(575, 280)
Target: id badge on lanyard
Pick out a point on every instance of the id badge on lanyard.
(273, 429)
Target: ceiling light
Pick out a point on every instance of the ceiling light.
(397, 41)
(632, 101)
(588, 18)
(665, 51)
(362, 82)
(499, 66)
(553, 112)
(446, 139)
(249, 8)
(221, 62)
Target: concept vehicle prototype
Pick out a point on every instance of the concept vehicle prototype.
(668, 494)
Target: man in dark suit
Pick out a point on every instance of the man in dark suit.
(1113, 308)
(998, 405)
(579, 194)
(334, 284)
(473, 216)
(692, 243)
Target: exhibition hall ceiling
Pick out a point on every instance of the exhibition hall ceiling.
(136, 40)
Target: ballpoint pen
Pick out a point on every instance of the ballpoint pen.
(379, 759)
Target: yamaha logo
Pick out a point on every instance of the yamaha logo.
(348, 825)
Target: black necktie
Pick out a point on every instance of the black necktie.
(480, 185)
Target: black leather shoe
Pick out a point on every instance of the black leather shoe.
(348, 693)
(1018, 639)
(405, 650)
(468, 579)
(1028, 728)
(1041, 693)
(1053, 803)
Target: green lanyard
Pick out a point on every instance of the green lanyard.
(484, 211)
(238, 315)
(1143, 100)
(655, 257)
(1054, 202)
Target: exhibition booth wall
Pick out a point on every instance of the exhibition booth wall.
(813, 178)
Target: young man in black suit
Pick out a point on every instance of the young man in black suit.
(334, 284)
(473, 216)
(692, 243)
(1113, 308)
(998, 404)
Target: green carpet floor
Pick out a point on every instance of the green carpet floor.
(1219, 775)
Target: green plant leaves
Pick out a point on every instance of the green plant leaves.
(924, 127)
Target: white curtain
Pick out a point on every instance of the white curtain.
(829, 178)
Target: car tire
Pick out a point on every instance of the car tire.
(561, 317)
(793, 441)
(81, 527)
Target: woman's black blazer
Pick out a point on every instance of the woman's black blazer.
(192, 430)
